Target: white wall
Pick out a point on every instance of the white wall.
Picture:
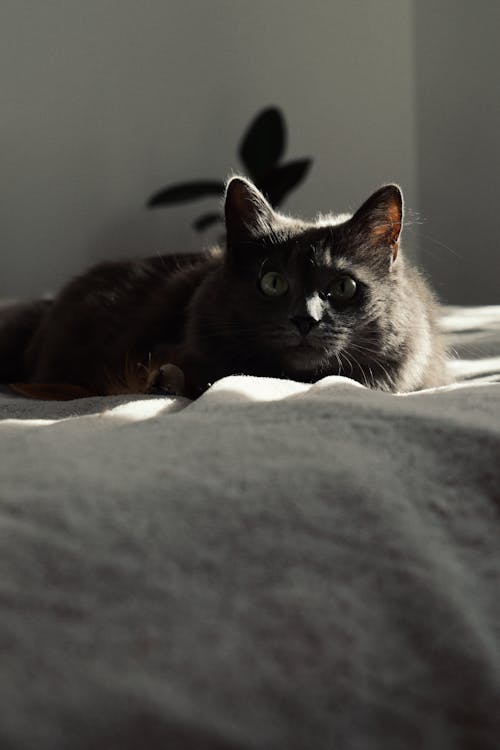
(458, 146)
(104, 101)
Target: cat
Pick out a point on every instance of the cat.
(285, 298)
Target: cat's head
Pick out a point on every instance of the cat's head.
(305, 296)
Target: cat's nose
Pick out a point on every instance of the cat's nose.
(304, 323)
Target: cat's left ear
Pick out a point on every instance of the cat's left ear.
(380, 218)
(247, 212)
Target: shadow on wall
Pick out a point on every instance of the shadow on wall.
(137, 234)
(458, 127)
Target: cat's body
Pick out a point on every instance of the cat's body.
(286, 299)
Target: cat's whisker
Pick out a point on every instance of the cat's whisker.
(343, 354)
(339, 361)
(361, 369)
(376, 362)
(441, 244)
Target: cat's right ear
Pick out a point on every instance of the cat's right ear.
(248, 214)
(380, 219)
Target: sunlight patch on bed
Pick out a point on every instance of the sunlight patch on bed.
(470, 367)
(463, 318)
(139, 411)
(28, 422)
(238, 388)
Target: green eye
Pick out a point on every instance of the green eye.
(343, 289)
(274, 284)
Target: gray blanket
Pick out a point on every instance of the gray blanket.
(275, 566)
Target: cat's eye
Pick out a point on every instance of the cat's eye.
(343, 289)
(273, 284)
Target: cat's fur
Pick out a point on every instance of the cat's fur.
(111, 329)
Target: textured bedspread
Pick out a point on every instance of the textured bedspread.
(273, 566)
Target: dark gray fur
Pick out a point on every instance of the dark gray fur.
(207, 315)
(388, 338)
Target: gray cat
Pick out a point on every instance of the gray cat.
(286, 298)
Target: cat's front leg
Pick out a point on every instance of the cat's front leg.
(167, 380)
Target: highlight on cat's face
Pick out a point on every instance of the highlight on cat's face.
(304, 293)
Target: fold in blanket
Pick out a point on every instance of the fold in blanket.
(275, 565)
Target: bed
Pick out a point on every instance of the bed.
(275, 565)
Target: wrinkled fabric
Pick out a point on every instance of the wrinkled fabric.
(276, 565)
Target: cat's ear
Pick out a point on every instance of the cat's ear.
(380, 218)
(247, 212)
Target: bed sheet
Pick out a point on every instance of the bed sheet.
(275, 565)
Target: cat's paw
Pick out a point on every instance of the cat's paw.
(167, 380)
